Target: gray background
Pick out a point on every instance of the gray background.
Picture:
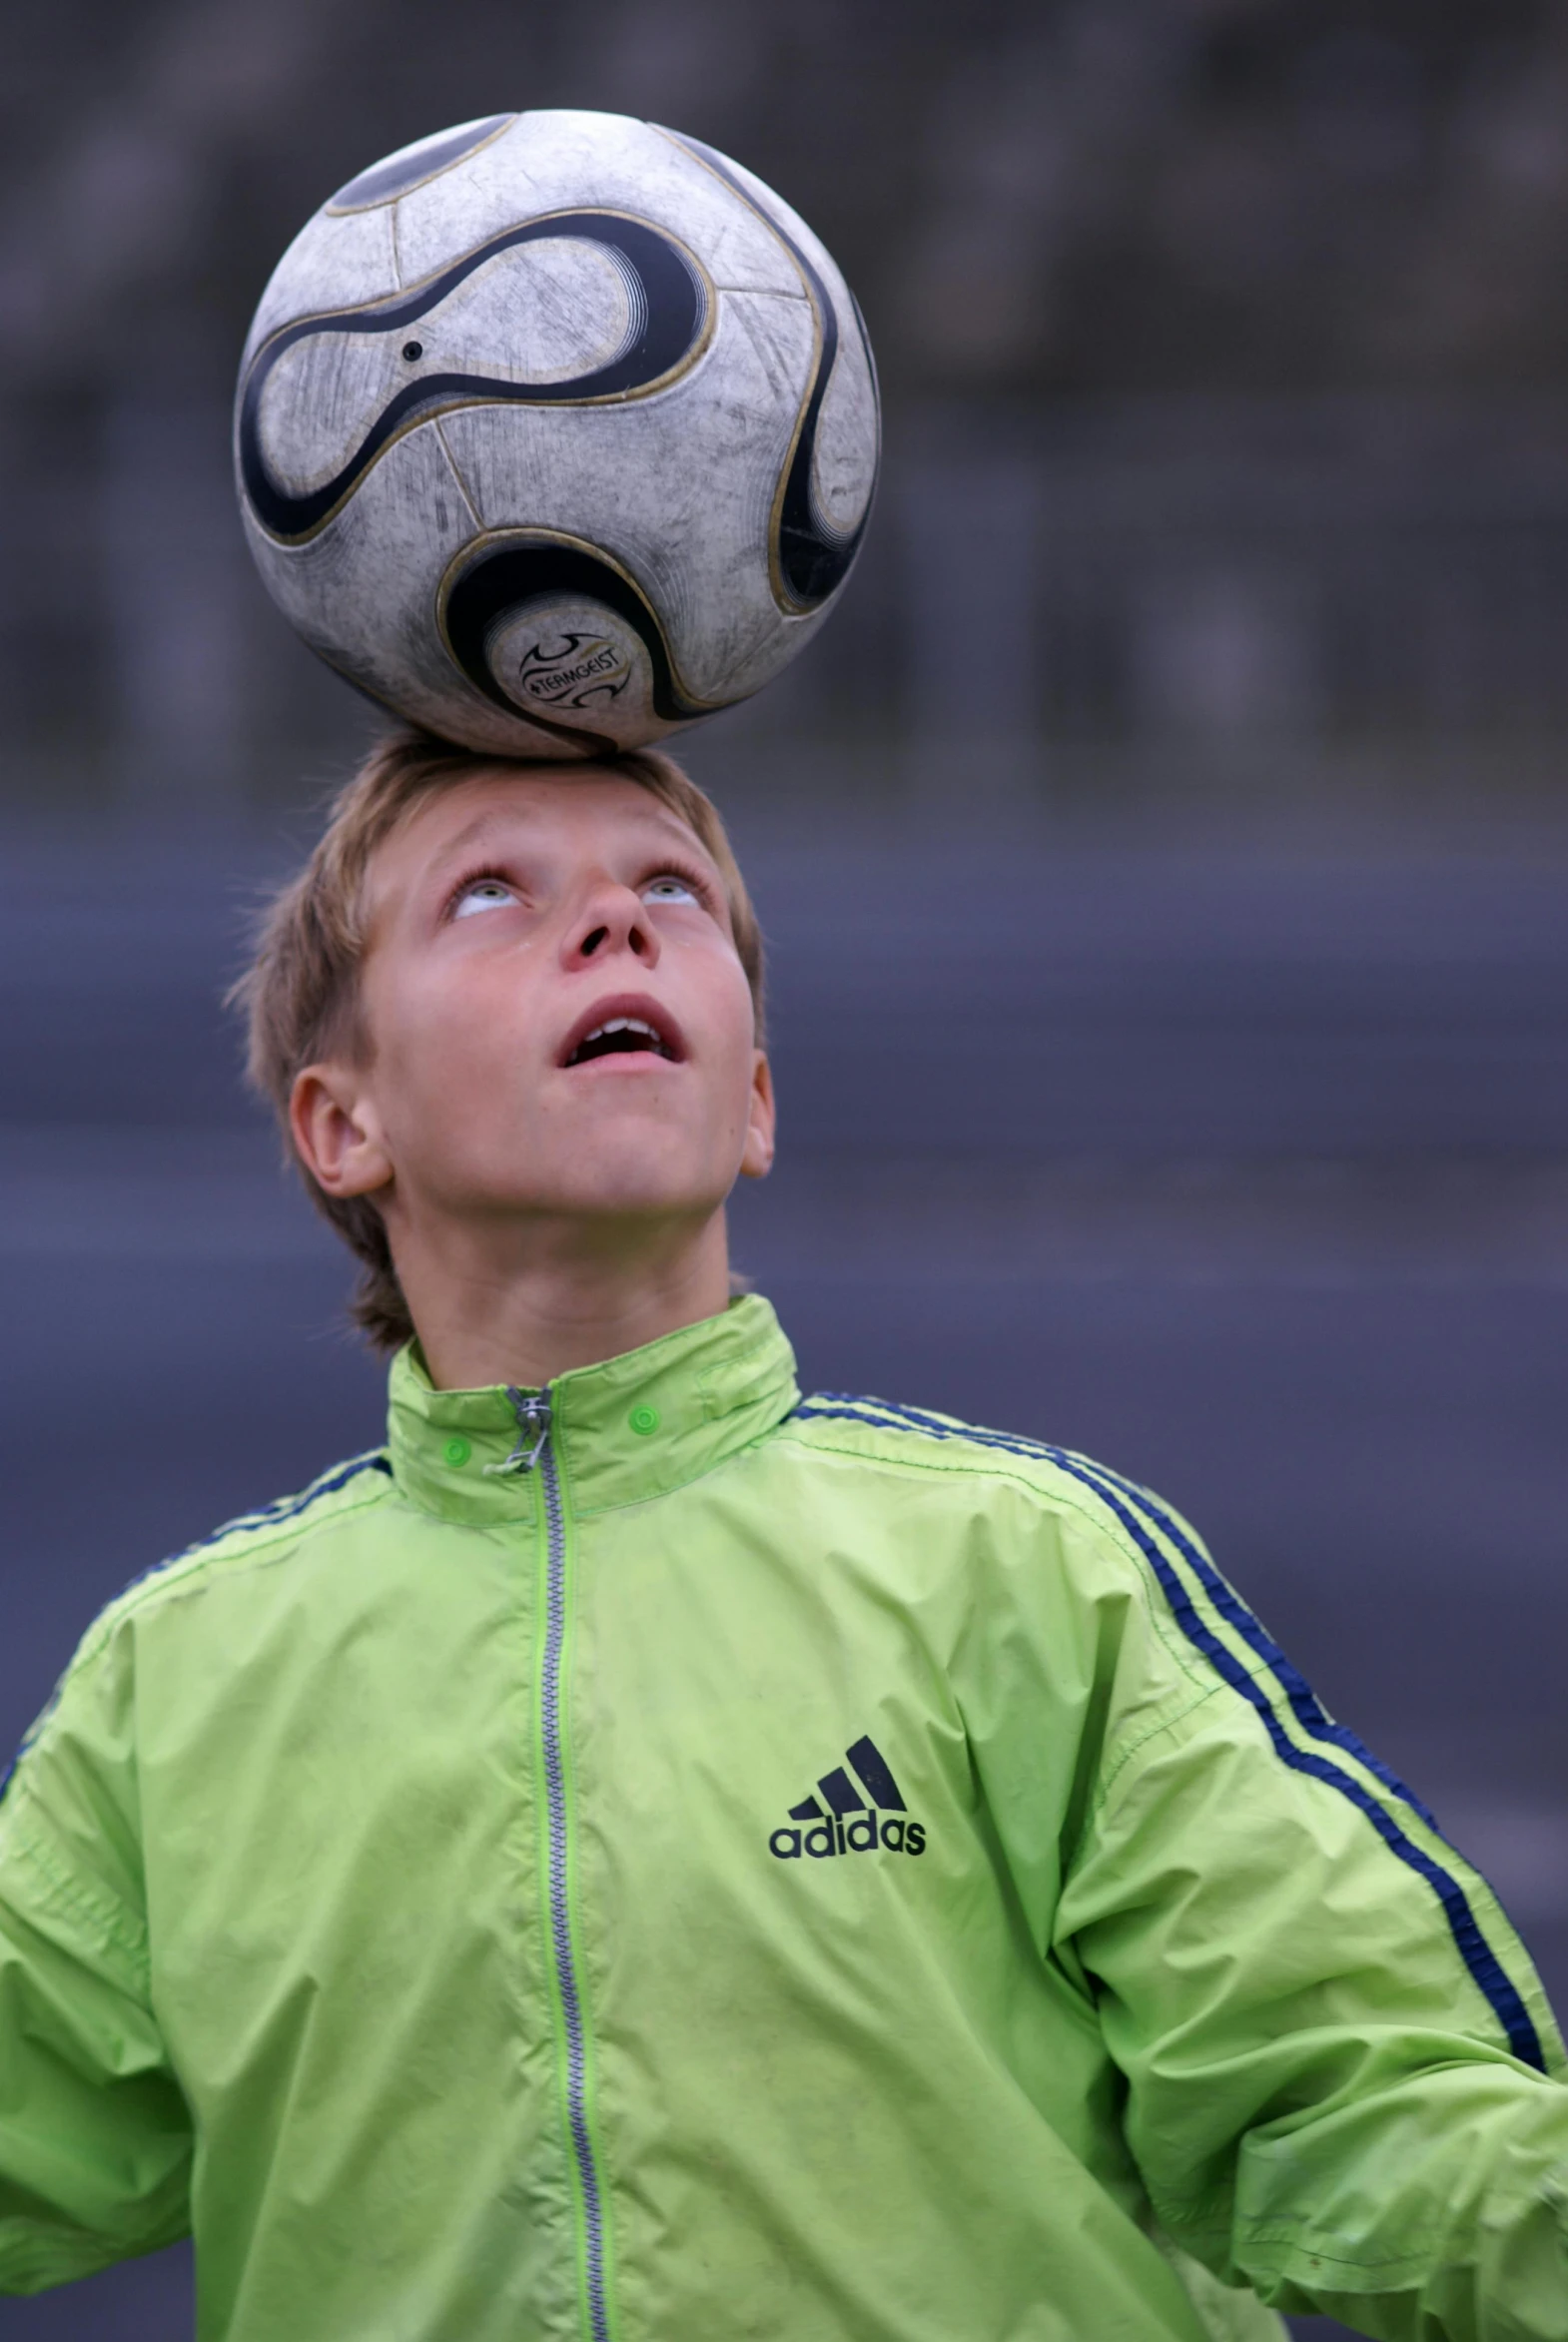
(1162, 853)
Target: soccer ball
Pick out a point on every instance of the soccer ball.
(555, 433)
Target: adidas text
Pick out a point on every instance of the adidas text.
(861, 1834)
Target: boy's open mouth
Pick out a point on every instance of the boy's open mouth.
(615, 1029)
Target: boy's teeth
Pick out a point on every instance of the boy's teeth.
(619, 1025)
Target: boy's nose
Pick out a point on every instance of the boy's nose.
(615, 921)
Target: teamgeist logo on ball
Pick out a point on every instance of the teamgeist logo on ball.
(552, 377)
(572, 671)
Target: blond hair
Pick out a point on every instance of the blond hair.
(300, 995)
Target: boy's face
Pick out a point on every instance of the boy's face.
(509, 922)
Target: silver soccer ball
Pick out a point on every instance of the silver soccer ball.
(555, 433)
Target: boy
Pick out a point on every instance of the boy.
(646, 1855)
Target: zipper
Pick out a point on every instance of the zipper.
(533, 1424)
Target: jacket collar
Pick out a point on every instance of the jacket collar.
(622, 1431)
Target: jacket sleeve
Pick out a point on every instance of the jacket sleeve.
(95, 2139)
(1343, 2082)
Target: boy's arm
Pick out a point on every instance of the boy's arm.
(1321, 2097)
(95, 2138)
(1344, 2085)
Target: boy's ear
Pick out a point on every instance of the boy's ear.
(337, 1132)
(757, 1160)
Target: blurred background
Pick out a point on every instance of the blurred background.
(1163, 850)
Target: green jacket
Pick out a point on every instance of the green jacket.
(665, 1862)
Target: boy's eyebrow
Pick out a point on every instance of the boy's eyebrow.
(445, 856)
(471, 834)
(484, 825)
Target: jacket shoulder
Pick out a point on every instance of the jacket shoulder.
(920, 1438)
(262, 1534)
(1195, 1611)
(1124, 1531)
(342, 1488)
(1048, 1516)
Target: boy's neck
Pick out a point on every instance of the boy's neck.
(567, 1294)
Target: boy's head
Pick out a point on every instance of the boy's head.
(427, 1000)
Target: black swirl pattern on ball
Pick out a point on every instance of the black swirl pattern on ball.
(814, 558)
(504, 580)
(670, 313)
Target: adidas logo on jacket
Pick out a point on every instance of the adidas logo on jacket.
(849, 1826)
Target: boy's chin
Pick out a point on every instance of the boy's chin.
(613, 1191)
(652, 1170)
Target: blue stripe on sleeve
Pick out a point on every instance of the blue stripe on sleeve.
(1305, 1703)
(267, 1517)
(1479, 1958)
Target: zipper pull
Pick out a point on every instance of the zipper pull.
(532, 1410)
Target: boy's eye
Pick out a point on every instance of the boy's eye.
(668, 888)
(482, 893)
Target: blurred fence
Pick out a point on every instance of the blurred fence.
(1159, 596)
(1189, 595)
